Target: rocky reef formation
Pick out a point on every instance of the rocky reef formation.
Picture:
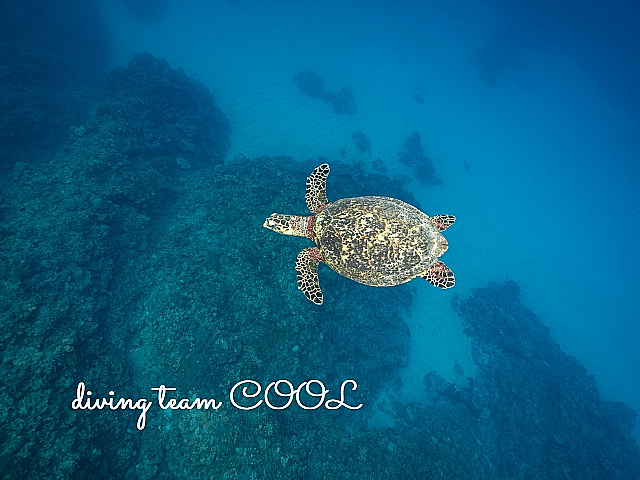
(161, 117)
(379, 166)
(310, 83)
(531, 411)
(415, 158)
(53, 56)
(343, 102)
(540, 413)
(124, 277)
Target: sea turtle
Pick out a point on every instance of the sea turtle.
(377, 241)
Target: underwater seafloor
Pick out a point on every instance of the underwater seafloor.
(133, 256)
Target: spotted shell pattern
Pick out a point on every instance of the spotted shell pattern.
(377, 241)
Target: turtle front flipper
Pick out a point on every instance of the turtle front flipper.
(442, 222)
(439, 276)
(307, 274)
(316, 196)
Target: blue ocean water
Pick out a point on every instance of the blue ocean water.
(143, 144)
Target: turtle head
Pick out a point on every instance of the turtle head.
(290, 224)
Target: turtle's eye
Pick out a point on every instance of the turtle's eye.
(270, 222)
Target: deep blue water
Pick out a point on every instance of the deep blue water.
(143, 144)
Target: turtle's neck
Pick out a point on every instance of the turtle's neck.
(291, 225)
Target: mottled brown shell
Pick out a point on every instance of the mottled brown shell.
(377, 241)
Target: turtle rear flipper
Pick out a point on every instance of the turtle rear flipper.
(307, 274)
(439, 276)
(316, 196)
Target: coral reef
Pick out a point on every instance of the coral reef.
(543, 414)
(52, 62)
(131, 278)
(414, 157)
(164, 118)
(310, 83)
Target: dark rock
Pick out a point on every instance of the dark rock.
(345, 102)
(361, 142)
(378, 166)
(414, 157)
(310, 83)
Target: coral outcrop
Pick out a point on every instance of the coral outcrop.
(415, 158)
(162, 118)
(310, 83)
(362, 143)
(53, 57)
